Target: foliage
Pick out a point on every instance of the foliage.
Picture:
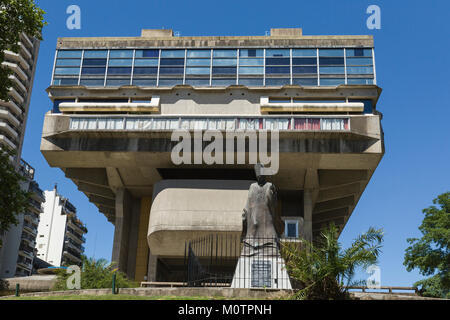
(16, 16)
(13, 199)
(95, 274)
(323, 270)
(431, 253)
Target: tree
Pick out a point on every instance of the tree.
(95, 274)
(16, 16)
(324, 270)
(431, 253)
(13, 199)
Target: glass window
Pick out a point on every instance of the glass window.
(170, 70)
(198, 62)
(94, 62)
(359, 61)
(121, 62)
(224, 62)
(172, 53)
(251, 70)
(304, 69)
(93, 71)
(95, 53)
(145, 70)
(92, 82)
(150, 53)
(224, 82)
(331, 52)
(278, 61)
(291, 229)
(360, 70)
(304, 52)
(170, 82)
(332, 70)
(226, 53)
(251, 62)
(251, 81)
(172, 62)
(278, 70)
(277, 81)
(277, 53)
(197, 70)
(68, 62)
(246, 53)
(119, 70)
(359, 81)
(144, 82)
(69, 53)
(304, 61)
(331, 61)
(117, 82)
(331, 81)
(224, 70)
(121, 54)
(65, 81)
(197, 82)
(199, 53)
(358, 52)
(146, 62)
(67, 71)
(305, 81)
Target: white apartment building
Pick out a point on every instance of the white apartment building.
(60, 233)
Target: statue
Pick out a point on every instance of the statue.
(260, 233)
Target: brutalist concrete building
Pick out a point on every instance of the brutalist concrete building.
(117, 101)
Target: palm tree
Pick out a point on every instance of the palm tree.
(324, 270)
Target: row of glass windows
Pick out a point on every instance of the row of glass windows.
(204, 67)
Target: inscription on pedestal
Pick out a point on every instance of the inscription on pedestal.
(261, 274)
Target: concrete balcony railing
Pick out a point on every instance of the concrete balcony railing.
(16, 95)
(9, 55)
(16, 68)
(305, 106)
(4, 140)
(11, 105)
(151, 107)
(8, 129)
(6, 114)
(19, 83)
(26, 51)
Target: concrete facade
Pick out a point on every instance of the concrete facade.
(114, 143)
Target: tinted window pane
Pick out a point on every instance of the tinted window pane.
(278, 69)
(144, 82)
(143, 70)
(67, 71)
(331, 61)
(225, 53)
(277, 81)
(224, 70)
(119, 70)
(251, 70)
(224, 62)
(359, 61)
(169, 70)
(199, 53)
(251, 81)
(92, 82)
(172, 53)
(198, 62)
(117, 82)
(304, 52)
(170, 82)
(360, 81)
(304, 61)
(291, 230)
(277, 53)
(223, 82)
(68, 62)
(331, 82)
(307, 69)
(331, 52)
(93, 71)
(146, 62)
(332, 70)
(358, 52)
(251, 52)
(278, 61)
(197, 70)
(305, 81)
(95, 53)
(151, 53)
(360, 70)
(172, 62)
(121, 54)
(94, 62)
(65, 81)
(251, 62)
(121, 62)
(197, 82)
(69, 53)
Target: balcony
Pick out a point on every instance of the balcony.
(12, 106)
(37, 192)
(27, 238)
(75, 236)
(27, 251)
(9, 55)
(6, 114)
(8, 129)
(72, 254)
(30, 228)
(28, 171)
(152, 107)
(4, 140)
(75, 246)
(20, 84)
(27, 40)
(31, 217)
(16, 95)
(292, 105)
(26, 51)
(35, 205)
(16, 68)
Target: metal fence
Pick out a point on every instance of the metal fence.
(227, 260)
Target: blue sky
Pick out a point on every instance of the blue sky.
(411, 51)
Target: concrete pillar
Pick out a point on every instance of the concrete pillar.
(152, 264)
(122, 229)
(307, 214)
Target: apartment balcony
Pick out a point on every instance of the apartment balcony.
(27, 41)
(6, 114)
(37, 193)
(28, 171)
(28, 239)
(5, 141)
(5, 127)
(30, 228)
(75, 246)
(25, 265)
(75, 236)
(9, 55)
(24, 49)
(151, 107)
(12, 106)
(16, 68)
(13, 92)
(26, 251)
(21, 84)
(32, 218)
(72, 255)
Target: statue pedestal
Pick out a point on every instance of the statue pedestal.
(261, 272)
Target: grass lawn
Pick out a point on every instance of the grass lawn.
(112, 297)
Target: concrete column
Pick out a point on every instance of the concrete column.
(307, 211)
(122, 229)
(152, 264)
